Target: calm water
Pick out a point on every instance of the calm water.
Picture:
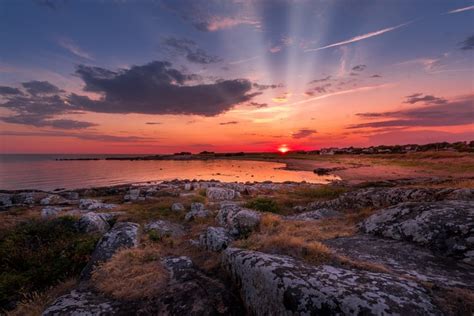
(45, 173)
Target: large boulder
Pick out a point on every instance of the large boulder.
(29, 198)
(215, 238)
(132, 195)
(5, 200)
(87, 302)
(190, 292)
(240, 221)
(165, 228)
(54, 199)
(314, 215)
(198, 210)
(280, 285)
(220, 194)
(92, 222)
(122, 235)
(92, 205)
(444, 227)
(51, 211)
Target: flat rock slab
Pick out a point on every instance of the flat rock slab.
(314, 215)
(280, 285)
(445, 227)
(405, 259)
(165, 228)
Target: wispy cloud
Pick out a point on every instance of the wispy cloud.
(471, 7)
(359, 37)
(73, 48)
(241, 61)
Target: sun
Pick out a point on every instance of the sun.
(283, 148)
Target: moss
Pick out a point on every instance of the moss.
(264, 204)
(38, 254)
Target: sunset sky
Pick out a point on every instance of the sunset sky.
(166, 76)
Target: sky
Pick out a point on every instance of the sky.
(167, 76)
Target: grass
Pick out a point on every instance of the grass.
(264, 204)
(38, 254)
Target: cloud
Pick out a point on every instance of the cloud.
(73, 48)
(471, 7)
(321, 80)
(40, 87)
(9, 90)
(216, 23)
(266, 86)
(359, 37)
(418, 137)
(258, 105)
(82, 136)
(322, 88)
(41, 121)
(282, 98)
(452, 113)
(359, 68)
(427, 99)
(302, 133)
(241, 61)
(376, 76)
(153, 123)
(190, 50)
(156, 88)
(229, 123)
(468, 44)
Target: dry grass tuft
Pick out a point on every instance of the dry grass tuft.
(132, 274)
(35, 303)
(453, 301)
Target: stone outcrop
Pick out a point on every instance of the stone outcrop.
(165, 228)
(198, 210)
(314, 215)
(55, 199)
(383, 197)
(132, 195)
(122, 235)
(190, 292)
(92, 222)
(280, 285)
(220, 194)
(215, 238)
(445, 227)
(5, 200)
(51, 211)
(92, 205)
(177, 207)
(240, 221)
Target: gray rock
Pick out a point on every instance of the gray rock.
(54, 199)
(87, 303)
(51, 211)
(188, 187)
(122, 235)
(92, 222)
(220, 194)
(197, 211)
(240, 221)
(177, 207)
(92, 205)
(215, 238)
(132, 195)
(314, 215)
(165, 228)
(444, 227)
(190, 292)
(280, 285)
(28, 198)
(5, 200)
(405, 259)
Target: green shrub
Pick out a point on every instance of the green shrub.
(38, 254)
(263, 204)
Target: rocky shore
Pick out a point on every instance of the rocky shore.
(214, 248)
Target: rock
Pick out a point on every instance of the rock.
(188, 187)
(444, 227)
(92, 222)
(197, 211)
(122, 235)
(165, 228)
(280, 285)
(190, 292)
(54, 199)
(132, 195)
(220, 194)
(240, 221)
(51, 211)
(5, 200)
(177, 207)
(70, 195)
(323, 171)
(87, 302)
(383, 197)
(92, 205)
(314, 215)
(28, 198)
(405, 259)
(215, 239)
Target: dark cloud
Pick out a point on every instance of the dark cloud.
(457, 112)
(320, 80)
(376, 76)
(40, 87)
(427, 99)
(322, 89)
(9, 90)
(302, 133)
(82, 136)
(468, 44)
(229, 123)
(258, 105)
(153, 123)
(40, 121)
(189, 50)
(156, 88)
(262, 87)
(359, 68)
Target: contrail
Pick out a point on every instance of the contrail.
(461, 9)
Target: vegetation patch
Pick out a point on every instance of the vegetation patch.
(264, 204)
(38, 254)
(132, 274)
